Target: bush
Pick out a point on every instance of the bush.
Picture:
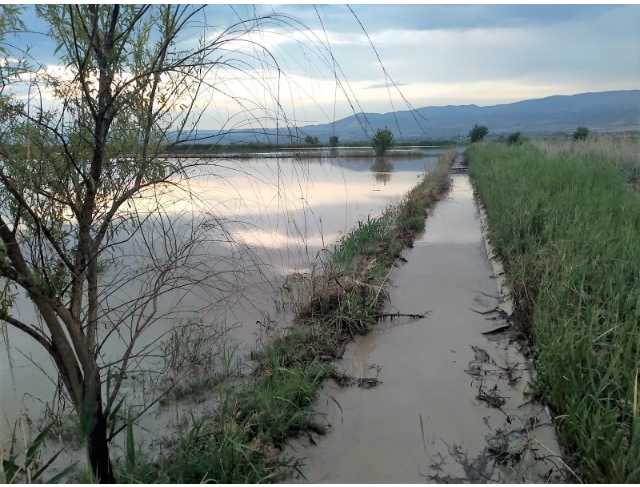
(382, 141)
(311, 140)
(515, 138)
(333, 141)
(477, 133)
(581, 133)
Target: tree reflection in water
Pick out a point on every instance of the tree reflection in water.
(382, 168)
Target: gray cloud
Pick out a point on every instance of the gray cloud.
(449, 54)
(386, 85)
(595, 45)
(453, 17)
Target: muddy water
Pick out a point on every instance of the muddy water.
(426, 421)
(280, 213)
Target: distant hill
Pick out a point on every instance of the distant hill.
(603, 111)
(609, 110)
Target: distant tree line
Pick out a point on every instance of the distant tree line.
(479, 132)
(334, 141)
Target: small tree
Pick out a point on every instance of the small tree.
(84, 212)
(581, 133)
(382, 141)
(477, 133)
(333, 141)
(515, 138)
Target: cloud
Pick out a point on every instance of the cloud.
(445, 54)
(451, 17)
(386, 85)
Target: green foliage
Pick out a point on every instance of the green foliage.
(15, 470)
(10, 21)
(567, 229)
(477, 133)
(239, 445)
(190, 346)
(309, 140)
(364, 239)
(581, 133)
(382, 141)
(515, 138)
(334, 141)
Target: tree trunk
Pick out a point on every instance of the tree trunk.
(98, 446)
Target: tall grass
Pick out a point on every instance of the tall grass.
(241, 442)
(620, 150)
(567, 226)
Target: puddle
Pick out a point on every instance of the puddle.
(450, 405)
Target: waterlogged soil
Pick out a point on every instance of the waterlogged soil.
(450, 406)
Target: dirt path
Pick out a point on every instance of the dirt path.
(450, 407)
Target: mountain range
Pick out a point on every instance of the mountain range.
(603, 111)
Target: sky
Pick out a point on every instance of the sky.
(434, 54)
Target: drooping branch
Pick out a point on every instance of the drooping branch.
(23, 203)
(30, 330)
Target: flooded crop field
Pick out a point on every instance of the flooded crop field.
(278, 214)
(569, 245)
(385, 342)
(299, 244)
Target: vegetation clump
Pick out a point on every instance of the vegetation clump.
(382, 141)
(581, 133)
(334, 141)
(515, 138)
(310, 140)
(565, 225)
(477, 133)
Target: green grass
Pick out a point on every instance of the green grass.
(567, 227)
(193, 387)
(241, 443)
(365, 239)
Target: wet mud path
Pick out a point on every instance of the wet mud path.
(450, 406)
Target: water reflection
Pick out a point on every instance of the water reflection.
(278, 214)
(382, 169)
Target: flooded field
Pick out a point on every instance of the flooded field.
(277, 215)
(450, 407)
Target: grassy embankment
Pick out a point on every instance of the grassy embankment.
(241, 442)
(566, 222)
